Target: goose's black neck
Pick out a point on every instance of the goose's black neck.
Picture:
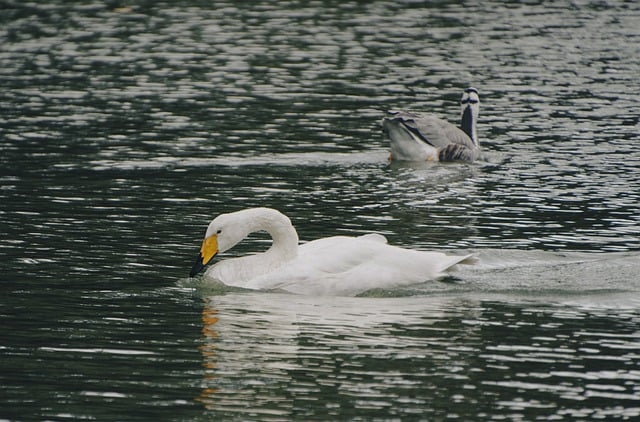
(467, 124)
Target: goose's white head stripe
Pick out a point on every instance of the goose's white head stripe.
(470, 96)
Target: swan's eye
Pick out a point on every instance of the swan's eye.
(219, 231)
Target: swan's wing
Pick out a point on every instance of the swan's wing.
(337, 254)
(374, 237)
(347, 266)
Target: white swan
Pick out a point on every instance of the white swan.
(424, 137)
(338, 265)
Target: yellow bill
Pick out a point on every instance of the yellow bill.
(208, 250)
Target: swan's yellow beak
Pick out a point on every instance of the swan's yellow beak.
(208, 250)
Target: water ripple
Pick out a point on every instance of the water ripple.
(126, 128)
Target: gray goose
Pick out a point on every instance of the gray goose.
(424, 137)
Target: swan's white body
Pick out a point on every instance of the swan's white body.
(425, 137)
(338, 265)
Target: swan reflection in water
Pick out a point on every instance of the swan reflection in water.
(209, 354)
(265, 353)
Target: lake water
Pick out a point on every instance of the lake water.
(126, 127)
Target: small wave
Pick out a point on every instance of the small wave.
(285, 159)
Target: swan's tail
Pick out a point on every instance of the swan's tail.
(470, 259)
(461, 260)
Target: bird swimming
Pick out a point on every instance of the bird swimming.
(417, 136)
(331, 266)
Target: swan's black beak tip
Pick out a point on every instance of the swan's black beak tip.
(197, 267)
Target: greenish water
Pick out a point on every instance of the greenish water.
(125, 128)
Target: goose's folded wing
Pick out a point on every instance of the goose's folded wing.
(430, 129)
(437, 132)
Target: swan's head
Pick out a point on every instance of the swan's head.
(223, 233)
(227, 230)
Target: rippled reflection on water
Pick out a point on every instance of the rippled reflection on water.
(428, 357)
(123, 130)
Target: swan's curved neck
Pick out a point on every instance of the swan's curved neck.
(279, 227)
(233, 228)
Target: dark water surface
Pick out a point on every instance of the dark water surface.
(124, 128)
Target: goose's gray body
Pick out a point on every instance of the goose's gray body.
(424, 137)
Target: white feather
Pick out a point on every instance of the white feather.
(338, 265)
